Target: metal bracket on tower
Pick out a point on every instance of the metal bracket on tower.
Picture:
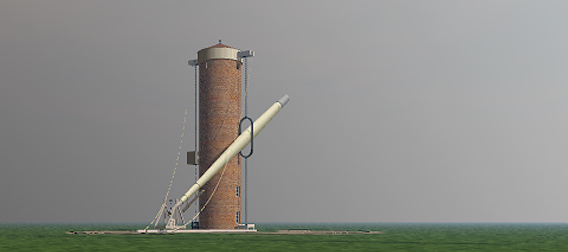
(192, 158)
(193, 62)
(251, 135)
(245, 54)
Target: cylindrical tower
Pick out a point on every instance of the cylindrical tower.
(219, 117)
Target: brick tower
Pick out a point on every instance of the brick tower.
(219, 116)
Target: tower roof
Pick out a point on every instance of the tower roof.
(218, 51)
(219, 46)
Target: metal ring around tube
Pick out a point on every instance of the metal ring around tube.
(251, 135)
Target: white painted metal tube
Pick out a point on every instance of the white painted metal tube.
(239, 144)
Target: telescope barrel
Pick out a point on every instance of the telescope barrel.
(236, 146)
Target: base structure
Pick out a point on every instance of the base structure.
(186, 231)
(225, 231)
(243, 228)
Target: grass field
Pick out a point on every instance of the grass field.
(396, 237)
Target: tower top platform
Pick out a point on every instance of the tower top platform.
(218, 51)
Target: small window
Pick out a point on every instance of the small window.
(238, 65)
(238, 217)
(237, 191)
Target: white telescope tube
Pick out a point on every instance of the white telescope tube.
(239, 144)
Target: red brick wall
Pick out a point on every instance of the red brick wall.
(219, 116)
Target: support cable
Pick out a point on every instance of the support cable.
(246, 158)
(218, 182)
(179, 151)
(246, 86)
(246, 182)
(206, 203)
(195, 126)
(174, 173)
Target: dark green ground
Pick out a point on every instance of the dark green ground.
(396, 237)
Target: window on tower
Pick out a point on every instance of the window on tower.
(238, 217)
(237, 191)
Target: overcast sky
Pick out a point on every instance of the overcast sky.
(400, 111)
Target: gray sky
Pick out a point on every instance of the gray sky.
(400, 111)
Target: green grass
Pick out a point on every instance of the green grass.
(396, 237)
